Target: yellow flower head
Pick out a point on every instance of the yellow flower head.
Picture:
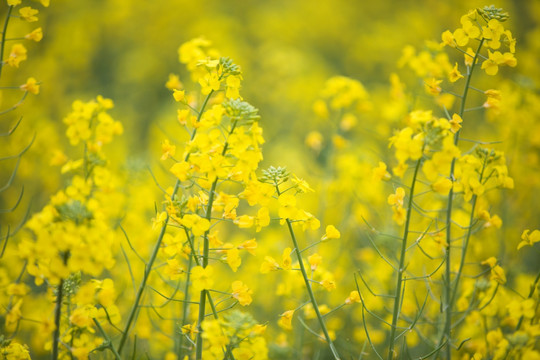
(36, 35)
(17, 54)
(331, 233)
(31, 86)
(28, 14)
(202, 278)
(242, 293)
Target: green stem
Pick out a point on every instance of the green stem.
(57, 315)
(58, 312)
(448, 269)
(399, 282)
(531, 293)
(309, 289)
(146, 275)
(107, 339)
(465, 246)
(155, 251)
(10, 8)
(310, 292)
(206, 252)
(185, 308)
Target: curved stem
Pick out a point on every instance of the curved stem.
(400, 270)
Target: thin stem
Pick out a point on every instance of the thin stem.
(107, 339)
(148, 267)
(147, 270)
(185, 308)
(57, 315)
(448, 269)
(531, 293)
(401, 270)
(10, 8)
(206, 252)
(308, 287)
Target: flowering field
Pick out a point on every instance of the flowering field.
(269, 180)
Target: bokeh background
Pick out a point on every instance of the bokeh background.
(125, 50)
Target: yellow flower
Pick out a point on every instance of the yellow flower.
(17, 54)
(13, 316)
(249, 245)
(181, 170)
(399, 215)
(15, 351)
(173, 269)
(179, 95)
(287, 206)
(469, 57)
(396, 199)
(314, 141)
(510, 41)
(182, 116)
(286, 259)
(197, 224)
(493, 100)
(31, 86)
(190, 329)
(331, 233)
(455, 75)
(262, 219)
(210, 82)
(83, 316)
(301, 184)
(529, 239)
(269, 264)
(13, 2)
(285, 320)
(525, 308)
(107, 293)
(455, 123)
(491, 65)
(442, 186)
(467, 31)
(314, 261)
(201, 278)
(497, 272)
(233, 87)
(159, 220)
(432, 86)
(328, 284)
(28, 14)
(233, 259)
(244, 221)
(448, 39)
(173, 83)
(320, 109)
(242, 293)
(492, 33)
(380, 172)
(354, 296)
(167, 150)
(36, 35)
